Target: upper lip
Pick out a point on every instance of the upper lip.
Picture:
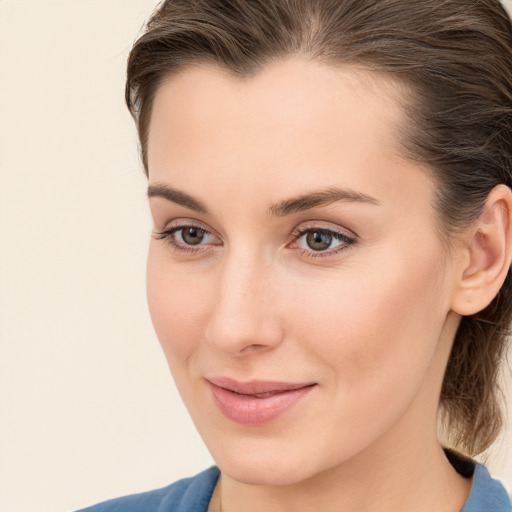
(256, 386)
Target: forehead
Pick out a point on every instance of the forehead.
(296, 124)
(286, 96)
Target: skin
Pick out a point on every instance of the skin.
(370, 322)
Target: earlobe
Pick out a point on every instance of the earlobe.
(487, 254)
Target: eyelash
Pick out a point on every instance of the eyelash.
(347, 241)
(168, 236)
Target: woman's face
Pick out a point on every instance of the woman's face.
(296, 280)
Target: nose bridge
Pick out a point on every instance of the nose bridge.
(244, 313)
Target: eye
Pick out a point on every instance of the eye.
(316, 241)
(191, 235)
(187, 237)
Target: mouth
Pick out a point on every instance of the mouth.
(256, 402)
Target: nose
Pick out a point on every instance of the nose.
(245, 315)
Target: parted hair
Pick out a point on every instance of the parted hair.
(453, 60)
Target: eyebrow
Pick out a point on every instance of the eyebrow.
(300, 203)
(176, 196)
(319, 198)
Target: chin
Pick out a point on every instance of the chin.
(263, 474)
(274, 464)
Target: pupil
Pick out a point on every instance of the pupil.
(192, 236)
(318, 241)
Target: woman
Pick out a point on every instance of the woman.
(328, 275)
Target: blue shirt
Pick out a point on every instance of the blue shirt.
(193, 495)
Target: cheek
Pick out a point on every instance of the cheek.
(374, 324)
(373, 334)
(176, 300)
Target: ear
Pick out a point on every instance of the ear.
(487, 254)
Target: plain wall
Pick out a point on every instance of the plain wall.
(88, 408)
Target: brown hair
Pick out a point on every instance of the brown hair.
(454, 58)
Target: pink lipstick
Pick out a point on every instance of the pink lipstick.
(256, 402)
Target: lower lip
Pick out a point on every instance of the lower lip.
(251, 410)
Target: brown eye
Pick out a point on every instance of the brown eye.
(188, 238)
(192, 236)
(318, 240)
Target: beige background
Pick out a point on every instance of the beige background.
(88, 410)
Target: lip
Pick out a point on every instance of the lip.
(256, 402)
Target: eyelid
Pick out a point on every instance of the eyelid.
(184, 222)
(324, 226)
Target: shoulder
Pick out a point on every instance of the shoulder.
(487, 494)
(187, 495)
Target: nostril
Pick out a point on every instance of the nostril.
(255, 347)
